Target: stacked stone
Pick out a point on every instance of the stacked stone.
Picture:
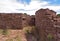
(24, 20)
(32, 22)
(28, 20)
(14, 20)
(58, 28)
(11, 21)
(44, 23)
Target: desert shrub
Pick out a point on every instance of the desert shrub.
(1, 30)
(50, 37)
(17, 38)
(29, 29)
(5, 32)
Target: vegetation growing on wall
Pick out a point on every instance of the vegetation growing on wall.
(50, 37)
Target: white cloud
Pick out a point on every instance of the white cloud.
(35, 5)
(12, 6)
(55, 8)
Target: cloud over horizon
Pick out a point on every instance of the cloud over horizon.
(25, 6)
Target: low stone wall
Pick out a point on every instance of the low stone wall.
(10, 21)
(14, 20)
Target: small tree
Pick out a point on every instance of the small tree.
(25, 13)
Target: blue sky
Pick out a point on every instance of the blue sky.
(52, 2)
(28, 6)
(24, 1)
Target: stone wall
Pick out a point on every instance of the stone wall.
(57, 25)
(32, 21)
(46, 21)
(13, 20)
(45, 24)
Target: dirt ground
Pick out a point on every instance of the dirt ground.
(14, 35)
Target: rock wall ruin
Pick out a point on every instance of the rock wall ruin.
(13, 20)
(46, 21)
(47, 24)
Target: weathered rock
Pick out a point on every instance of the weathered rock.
(44, 23)
(13, 20)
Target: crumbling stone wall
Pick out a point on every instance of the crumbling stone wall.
(57, 25)
(13, 20)
(24, 20)
(45, 23)
(32, 21)
(28, 19)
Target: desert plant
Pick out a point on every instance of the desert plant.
(1, 30)
(27, 29)
(5, 32)
(17, 38)
(50, 37)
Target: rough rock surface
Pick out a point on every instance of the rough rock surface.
(45, 23)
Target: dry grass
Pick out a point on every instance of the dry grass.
(7, 33)
(28, 29)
